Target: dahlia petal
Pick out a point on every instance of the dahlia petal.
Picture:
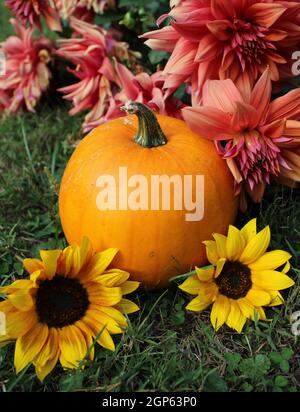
(261, 95)
(287, 106)
(222, 9)
(220, 312)
(234, 170)
(244, 117)
(292, 130)
(219, 28)
(208, 49)
(222, 95)
(161, 40)
(271, 280)
(258, 297)
(270, 260)
(209, 122)
(182, 59)
(256, 247)
(29, 345)
(266, 14)
(275, 129)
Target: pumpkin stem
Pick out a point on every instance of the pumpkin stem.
(149, 133)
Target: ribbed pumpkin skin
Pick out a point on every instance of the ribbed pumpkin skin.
(154, 245)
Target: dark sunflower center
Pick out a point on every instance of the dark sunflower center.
(235, 280)
(61, 301)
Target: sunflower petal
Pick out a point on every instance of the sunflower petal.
(221, 242)
(72, 345)
(104, 296)
(22, 300)
(271, 260)
(48, 357)
(100, 261)
(258, 297)
(220, 266)
(191, 285)
(276, 298)
(271, 280)
(32, 265)
(235, 243)
(247, 309)
(126, 306)
(219, 312)
(205, 275)
(211, 251)
(256, 247)
(29, 346)
(50, 258)
(113, 277)
(249, 230)
(116, 315)
(129, 287)
(235, 320)
(197, 304)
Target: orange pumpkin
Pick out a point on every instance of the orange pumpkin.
(154, 245)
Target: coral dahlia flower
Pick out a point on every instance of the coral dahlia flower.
(82, 9)
(258, 138)
(220, 39)
(243, 277)
(30, 12)
(27, 73)
(70, 299)
(91, 50)
(143, 88)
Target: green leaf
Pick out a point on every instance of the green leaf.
(284, 366)
(233, 360)
(275, 357)
(156, 57)
(247, 387)
(214, 383)
(287, 353)
(281, 381)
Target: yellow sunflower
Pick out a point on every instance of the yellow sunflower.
(242, 277)
(70, 299)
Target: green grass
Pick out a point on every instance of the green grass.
(165, 348)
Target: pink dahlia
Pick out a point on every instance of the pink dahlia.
(258, 138)
(142, 88)
(30, 11)
(27, 74)
(82, 9)
(91, 50)
(221, 39)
